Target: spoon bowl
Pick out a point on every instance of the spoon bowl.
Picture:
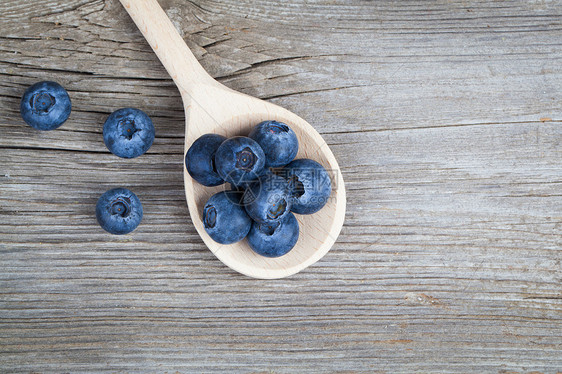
(211, 107)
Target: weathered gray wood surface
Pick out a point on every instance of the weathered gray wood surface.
(446, 118)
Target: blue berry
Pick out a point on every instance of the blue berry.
(45, 105)
(310, 185)
(224, 218)
(267, 200)
(239, 160)
(276, 239)
(200, 160)
(119, 211)
(278, 142)
(128, 132)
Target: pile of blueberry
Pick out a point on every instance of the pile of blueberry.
(267, 187)
(127, 133)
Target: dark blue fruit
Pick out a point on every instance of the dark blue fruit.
(278, 141)
(267, 200)
(224, 219)
(119, 211)
(200, 160)
(45, 105)
(239, 160)
(274, 240)
(310, 185)
(128, 132)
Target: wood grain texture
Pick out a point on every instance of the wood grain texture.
(445, 118)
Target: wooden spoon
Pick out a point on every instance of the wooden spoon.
(211, 107)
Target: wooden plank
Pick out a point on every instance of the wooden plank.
(445, 117)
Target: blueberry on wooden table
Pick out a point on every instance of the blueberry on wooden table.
(274, 239)
(225, 220)
(119, 211)
(278, 141)
(239, 160)
(309, 184)
(128, 132)
(200, 160)
(45, 105)
(267, 199)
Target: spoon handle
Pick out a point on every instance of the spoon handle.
(167, 43)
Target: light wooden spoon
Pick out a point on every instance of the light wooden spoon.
(211, 107)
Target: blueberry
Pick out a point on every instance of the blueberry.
(239, 160)
(200, 160)
(224, 218)
(274, 240)
(310, 185)
(267, 199)
(45, 105)
(278, 142)
(128, 132)
(119, 211)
